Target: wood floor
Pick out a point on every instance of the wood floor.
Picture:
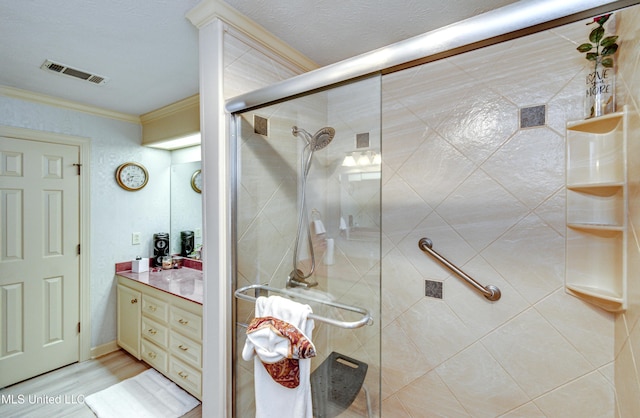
(72, 383)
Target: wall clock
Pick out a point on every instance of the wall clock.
(132, 176)
(196, 181)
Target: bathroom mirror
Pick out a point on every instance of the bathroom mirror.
(186, 202)
(357, 188)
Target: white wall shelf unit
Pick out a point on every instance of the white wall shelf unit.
(597, 206)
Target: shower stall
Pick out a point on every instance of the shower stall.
(308, 181)
(321, 216)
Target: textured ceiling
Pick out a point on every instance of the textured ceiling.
(328, 31)
(149, 50)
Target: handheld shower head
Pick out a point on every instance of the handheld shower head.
(322, 138)
(317, 141)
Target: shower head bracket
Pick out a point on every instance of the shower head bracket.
(295, 280)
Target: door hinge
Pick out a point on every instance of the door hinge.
(78, 249)
(78, 167)
(78, 327)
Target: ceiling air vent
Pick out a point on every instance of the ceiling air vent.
(73, 72)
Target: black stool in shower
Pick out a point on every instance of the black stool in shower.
(335, 384)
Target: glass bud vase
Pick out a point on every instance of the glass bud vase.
(600, 90)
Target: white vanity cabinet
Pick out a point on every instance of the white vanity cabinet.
(597, 210)
(162, 329)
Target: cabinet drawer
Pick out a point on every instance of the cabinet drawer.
(155, 356)
(155, 308)
(155, 332)
(186, 349)
(186, 376)
(185, 322)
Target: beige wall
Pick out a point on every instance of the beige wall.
(627, 331)
(458, 169)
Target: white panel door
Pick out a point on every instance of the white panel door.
(39, 263)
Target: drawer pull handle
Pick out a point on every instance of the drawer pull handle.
(183, 348)
(183, 375)
(152, 331)
(134, 300)
(152, 354)
(152, 308)
(183, 321)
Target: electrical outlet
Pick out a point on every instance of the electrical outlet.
(135, 238)
(198, 233)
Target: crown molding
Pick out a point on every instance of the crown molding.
(208, 10)
(66, 104)
(168, 110)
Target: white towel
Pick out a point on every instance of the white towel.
(266, 345)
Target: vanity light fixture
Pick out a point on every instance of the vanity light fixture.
(349, 161)
(362, 159)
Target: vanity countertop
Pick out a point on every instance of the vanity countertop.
(183, 282)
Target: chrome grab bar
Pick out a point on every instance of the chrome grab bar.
(490, 292)
(366, 315)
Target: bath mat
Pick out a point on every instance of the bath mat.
(148, 394)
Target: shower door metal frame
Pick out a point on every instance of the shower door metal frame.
(509, 22)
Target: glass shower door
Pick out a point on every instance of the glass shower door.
(307, 227)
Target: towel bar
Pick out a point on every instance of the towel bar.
(490, 292)
(366, 315)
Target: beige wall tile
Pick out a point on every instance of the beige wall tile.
(537, 356)
(480, 384)
(479, 228)
(437, 401)
(402, 361)
(530, 165)
(436, 329)
(588, 396)
(402, 286)
(529, 410)
(392, 407)
(627, 383)
(474, 309)
(480, 123)
(531, 257)
(587, 327)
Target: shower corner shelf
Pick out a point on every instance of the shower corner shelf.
(597, 205)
